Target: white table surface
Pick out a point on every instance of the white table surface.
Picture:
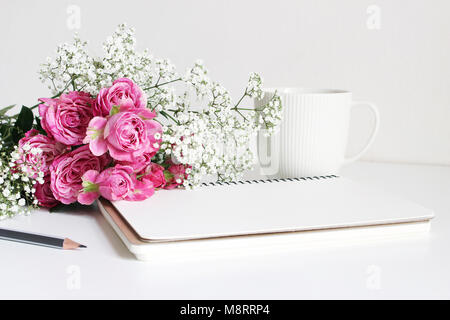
(416, 268)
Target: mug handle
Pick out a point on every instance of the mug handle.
(375, 112)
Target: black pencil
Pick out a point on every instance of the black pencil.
(39, 240)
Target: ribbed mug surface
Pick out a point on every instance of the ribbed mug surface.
(314, 131)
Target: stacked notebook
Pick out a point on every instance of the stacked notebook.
(250, 216)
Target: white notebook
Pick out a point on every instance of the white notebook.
(214, 214)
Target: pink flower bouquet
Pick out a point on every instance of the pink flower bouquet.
(99, 146)
(130, 125)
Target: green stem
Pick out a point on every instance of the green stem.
(168, 116)
(161, 84)
(237, 110)
(248, 109)
(177, 110)
(157, 81)
(242, 98)
(237, 104)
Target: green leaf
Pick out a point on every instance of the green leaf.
(16, 134)
(6, 109)
(5, 131)
(23, 123)
(25, 119)
(38, 126)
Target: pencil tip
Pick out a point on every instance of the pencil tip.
(70, 244)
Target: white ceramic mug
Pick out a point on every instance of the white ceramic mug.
(313, 134)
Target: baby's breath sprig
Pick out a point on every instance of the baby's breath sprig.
(18, 181)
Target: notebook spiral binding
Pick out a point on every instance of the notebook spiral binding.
(207, 184)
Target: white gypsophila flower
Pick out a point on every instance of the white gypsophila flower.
(197, 76)
(213, 142)
(17, 183)
(254, 86)
(72, 62)
(271, 114)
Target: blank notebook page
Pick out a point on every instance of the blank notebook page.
(228, 210)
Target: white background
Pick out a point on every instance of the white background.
(403, 66)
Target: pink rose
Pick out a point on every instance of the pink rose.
(115, 183)
(154, 173)
(127, 135)
(123, 93)
(175, 175)
(66, 119)
(90, 191)
(142, 189)
(44, 194)
(49, 147)
(67, 170)
(139, 163)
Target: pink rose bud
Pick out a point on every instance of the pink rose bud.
(143, 189)
(95, 136)
(90, 191)
(175, 175)
(123, 93)
(120, 183)
(116, 183)
(154, 173)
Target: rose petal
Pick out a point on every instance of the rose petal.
(87, 198)
(90, 175)
(120, 154)
(98, 123)
(142, 190)
(98, 147)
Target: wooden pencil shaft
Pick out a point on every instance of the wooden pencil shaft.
(31, 238)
